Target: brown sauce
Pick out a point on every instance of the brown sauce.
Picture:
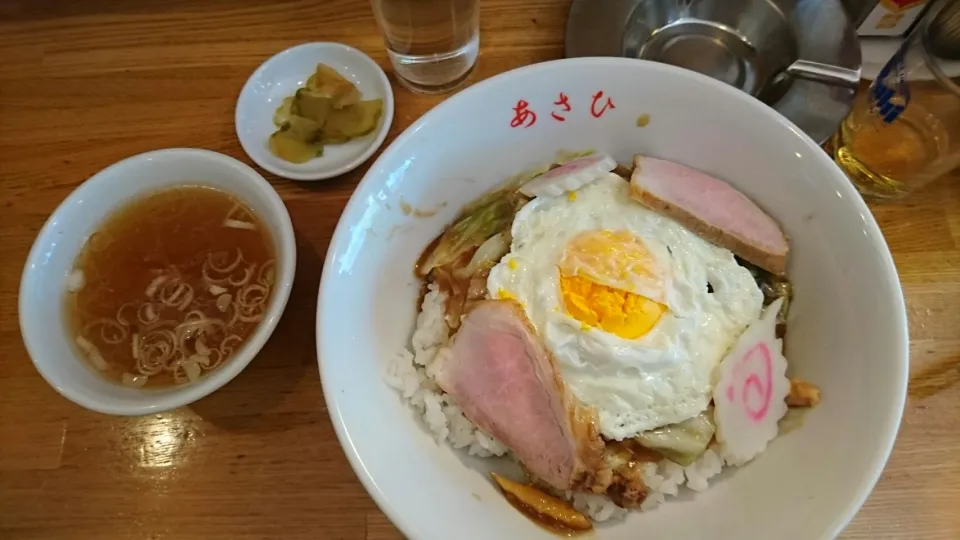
(544, 521)
(170, 286)
(410, 210)
(422, 259)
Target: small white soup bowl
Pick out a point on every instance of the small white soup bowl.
(43, 287)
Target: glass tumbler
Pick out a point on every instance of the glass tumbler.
(432, 44)
(904, 131)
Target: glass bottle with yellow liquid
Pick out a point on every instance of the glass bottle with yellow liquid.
(904, 131)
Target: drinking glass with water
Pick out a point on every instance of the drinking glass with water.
(904, 131)
(432, 44)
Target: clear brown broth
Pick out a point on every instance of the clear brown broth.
(174, 236)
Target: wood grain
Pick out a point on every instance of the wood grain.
(86, 83)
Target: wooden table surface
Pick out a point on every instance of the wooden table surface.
(86, 83)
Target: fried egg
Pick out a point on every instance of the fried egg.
(637, 310)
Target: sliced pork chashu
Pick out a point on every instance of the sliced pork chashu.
(506, 382)
(712, 208)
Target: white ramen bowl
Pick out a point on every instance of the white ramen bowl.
(43, 284)
(847, 329)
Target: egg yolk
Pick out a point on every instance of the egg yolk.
(615, 258)
(600, 275)
(616, 311)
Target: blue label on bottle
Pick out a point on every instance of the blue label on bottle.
(890, 90)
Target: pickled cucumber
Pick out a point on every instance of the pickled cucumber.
(327, 110)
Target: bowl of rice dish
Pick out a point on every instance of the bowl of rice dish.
(610, 297)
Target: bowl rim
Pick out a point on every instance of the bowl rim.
(844, 187)
(321, 173)
(172, 397)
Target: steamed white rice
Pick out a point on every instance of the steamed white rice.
(411, 372)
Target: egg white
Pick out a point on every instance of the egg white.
(662, 377)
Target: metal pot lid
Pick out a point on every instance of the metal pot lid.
(748, 44)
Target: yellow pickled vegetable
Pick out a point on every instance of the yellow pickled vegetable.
(288, 147)
(311, 104)
(353, 121)
(282, 114)
(546, 510)
(302, 128)
(327, 110)
(327, 82)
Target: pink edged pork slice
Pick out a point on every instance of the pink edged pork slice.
(570, 176)
(506, 382)
(712, 209)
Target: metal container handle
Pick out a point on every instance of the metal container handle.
(825, 73)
